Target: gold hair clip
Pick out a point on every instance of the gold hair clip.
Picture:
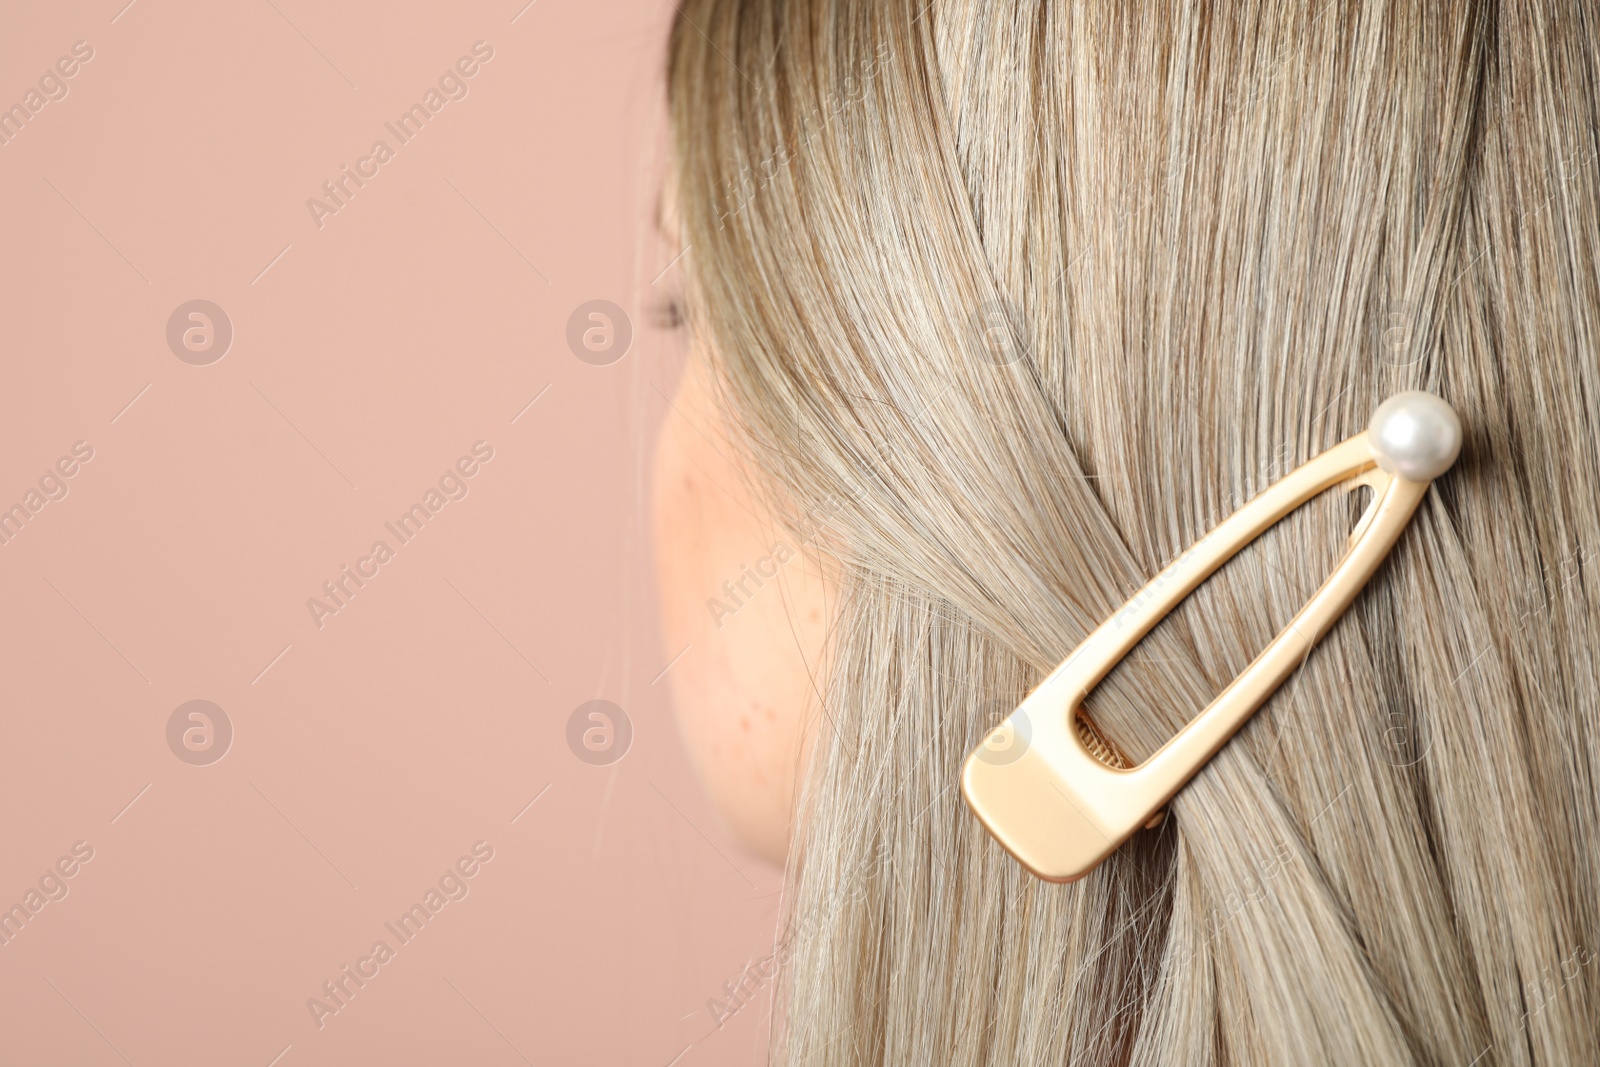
(1053, 789)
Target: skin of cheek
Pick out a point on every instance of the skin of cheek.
(746, 692)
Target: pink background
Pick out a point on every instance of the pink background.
(367, 356)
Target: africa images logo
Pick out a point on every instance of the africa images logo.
(52, 87)
(52, 485)
(453, 885)
(452, 85)
(452, 485)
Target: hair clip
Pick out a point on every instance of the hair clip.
(1056, 793)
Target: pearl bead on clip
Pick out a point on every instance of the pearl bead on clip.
(1054, 791)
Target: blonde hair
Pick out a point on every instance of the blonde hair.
(1020, 299)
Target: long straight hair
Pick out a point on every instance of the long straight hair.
(1016, 300)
